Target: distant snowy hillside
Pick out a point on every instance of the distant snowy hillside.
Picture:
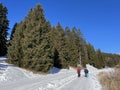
(15, 78)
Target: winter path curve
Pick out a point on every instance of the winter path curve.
(15, 78)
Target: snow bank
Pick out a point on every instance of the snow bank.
(15, 78)
(3, 67)
(57, 70)
(2, 77)
(91, 68)
(3, 58)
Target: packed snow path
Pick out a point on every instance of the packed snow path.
(14, 78)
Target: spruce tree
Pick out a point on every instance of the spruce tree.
(15, 51)
(79, 42)
(53, 39)
(31, 42)
(91, 54)
(36, 46)
(100, 59)
(84, 55)
(72, 47)
(13, 31)
(4, 22)
(60, 47)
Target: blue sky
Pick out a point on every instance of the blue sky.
(99, 20)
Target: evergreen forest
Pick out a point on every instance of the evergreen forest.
(37, 45)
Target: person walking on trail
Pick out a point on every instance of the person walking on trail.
(86, 72)
(78, 71)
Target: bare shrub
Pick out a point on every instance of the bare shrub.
(110, 80)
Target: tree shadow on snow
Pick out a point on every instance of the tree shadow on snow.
(54, 70)
(4, 66)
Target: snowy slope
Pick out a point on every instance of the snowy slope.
(14, 78)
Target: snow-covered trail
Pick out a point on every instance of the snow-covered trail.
(15, 78)
(42, 82)
(83, 83)
(78, 84)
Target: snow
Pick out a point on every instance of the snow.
(15, 78)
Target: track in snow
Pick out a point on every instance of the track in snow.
(14, 78)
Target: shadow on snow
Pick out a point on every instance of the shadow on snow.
(54, 70)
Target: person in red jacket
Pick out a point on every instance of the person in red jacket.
(78, 71)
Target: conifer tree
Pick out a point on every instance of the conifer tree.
(15, 51)
(72, 48)
(31, 42)
(68, 47)
(84, 55)
(91, 54)
(60, 46)
(53, 40)
(13, 31)
(3, 29)
(37, 49)
(100, 61)
(79, 42)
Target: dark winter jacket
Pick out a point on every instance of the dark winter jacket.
(86, 70)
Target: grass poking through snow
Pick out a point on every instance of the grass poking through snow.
(110, 80)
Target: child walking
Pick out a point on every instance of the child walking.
(86, 72)
(78, 71)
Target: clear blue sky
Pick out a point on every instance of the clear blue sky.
(99, 20)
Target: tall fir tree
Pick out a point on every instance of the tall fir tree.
(84, 55)
(91, 55)
(79, 43)
(100, 59)
(60, 47)
(4, 22)
(13, 31)
(15, 53)
(33, 50)
(71, 47)
(53, 39)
